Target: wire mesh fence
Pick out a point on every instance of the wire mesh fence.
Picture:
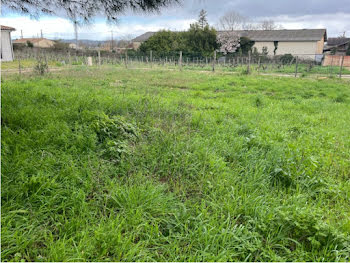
(296, 65)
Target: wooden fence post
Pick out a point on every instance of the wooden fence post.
(296, 66)
(180, 60)
(341, 66)
(331, 68)
(150, 57)
(69, 58)
(214, 60)
(19, 65)
(45, 59)
(126, 59)
(248, 68)
(99, 57)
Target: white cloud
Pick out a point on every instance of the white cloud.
(335, 24)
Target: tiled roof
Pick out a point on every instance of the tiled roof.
(7, 28)
(283, 35)
(143, 37)
(337, 41)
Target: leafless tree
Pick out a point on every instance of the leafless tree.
(248, 25)
(269, 24)
(232, 21)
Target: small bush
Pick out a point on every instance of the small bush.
(41, 67)
(286, 58)
(29, 44)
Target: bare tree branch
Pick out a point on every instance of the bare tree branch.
(232, 21)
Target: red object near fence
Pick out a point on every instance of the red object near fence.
(335, 60)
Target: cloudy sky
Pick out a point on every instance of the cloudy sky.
(291, 14)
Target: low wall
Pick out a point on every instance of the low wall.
(335, 60)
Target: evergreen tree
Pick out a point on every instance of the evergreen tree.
(202, 20)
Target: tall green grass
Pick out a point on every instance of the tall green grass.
(117, 165)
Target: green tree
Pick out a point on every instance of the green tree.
(246, 45)
(201, 40)
(164, 42)
(194, 41)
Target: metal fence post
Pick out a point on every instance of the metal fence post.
(341, 66)
(248, 68)
(296, 66)
(19, 65)
(180, 60)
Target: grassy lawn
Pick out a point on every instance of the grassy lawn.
(128, 165)
(26, 64)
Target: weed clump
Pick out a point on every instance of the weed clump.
(258, 102)
(115, 136)
(41, 67)
(340, 98)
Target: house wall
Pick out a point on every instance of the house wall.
(302, 49)
(44, 43)
(320, 46)
(270, 47)
(306, 49)
(6, 46)
(136, 45)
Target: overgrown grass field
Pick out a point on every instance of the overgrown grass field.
(304, 70)
(127, 165)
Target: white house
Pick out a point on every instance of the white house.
(6, 43)
(304, 43)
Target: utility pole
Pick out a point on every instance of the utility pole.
(76, 33)
(111, 40)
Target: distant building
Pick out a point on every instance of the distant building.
(305, 43)
(37, 42)
(136, 42)
(73, 46)
(6, 43)
(337, 45)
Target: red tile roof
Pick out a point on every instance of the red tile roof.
(7, 28)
